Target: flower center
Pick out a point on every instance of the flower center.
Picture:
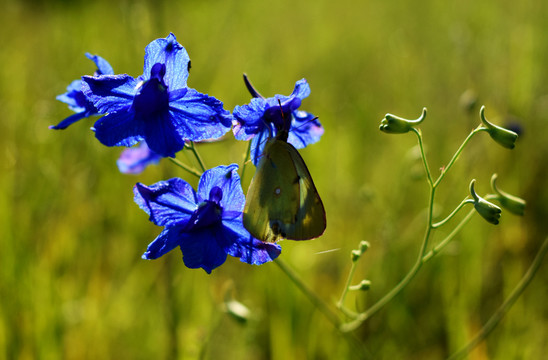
(152, 98)
(280, 115)
(209, 212)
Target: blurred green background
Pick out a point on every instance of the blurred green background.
(72, 284)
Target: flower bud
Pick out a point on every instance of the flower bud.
(355, 255)
(504, 137)
(364, 285)
(487, 210)
(511, 203)
(392, 124)
(364, 245)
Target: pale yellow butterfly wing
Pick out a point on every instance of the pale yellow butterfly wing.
(282, 200)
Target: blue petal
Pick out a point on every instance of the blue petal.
(103, 67)
(305, 129)
(70, 120)
(247, 248)
(204, 248)
(134, 160)
(228, 180)
(169, 52)
(301, 90)
(74, 97)
(198, 116)
(110, 93)
(119, 129)
(249, 118)
(168, 203)
(162, 136)
(257, 145)
(168, 239)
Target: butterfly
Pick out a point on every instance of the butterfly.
(282, 200)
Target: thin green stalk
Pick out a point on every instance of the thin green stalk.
(505, 306)
(451, 235)
(318, 303)
(192, 148)
(457, 154)
(186, 167)
(423, 156)
(352, 325)
(448, 238)
(340, 304)
(464, 202)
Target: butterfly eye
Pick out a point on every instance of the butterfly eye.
(277, 191)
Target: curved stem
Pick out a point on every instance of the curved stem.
(505, 306)
(319, 303)
(457, 209)
(448, 238)
(459, 151)
(186, 167)
(404, 282)
(423, 156)
(192, 148)
(340, 304)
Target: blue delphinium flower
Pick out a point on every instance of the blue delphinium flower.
(157, 107)
(263, 118)
(135, 159)
(75, 98)
(207, 224)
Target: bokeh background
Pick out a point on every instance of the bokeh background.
(72, 283)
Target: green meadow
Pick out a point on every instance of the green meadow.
(72, 281)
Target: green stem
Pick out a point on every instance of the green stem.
(448, 238)
(505, 306)
(186, 167)
(192, 148)
(423, 257)
(457, 154)
(423, 156)
(318, 303)
(350, 326)
(246, 159)
(340, 304)
(457, 209)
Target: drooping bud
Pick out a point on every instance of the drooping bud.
(511, 203)
(356, 254)
(392, 124)
(364, 245)
(504, 137)
(487, 210)
(364, 285)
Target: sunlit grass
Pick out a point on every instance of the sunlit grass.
(72, 283)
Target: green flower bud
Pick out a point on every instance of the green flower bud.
(364, 245)
(504, 137)
(392, 124)
(355, 255)
(487, 210)
(511, 203)
(364, 285)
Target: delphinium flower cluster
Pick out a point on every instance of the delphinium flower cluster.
(156, 115)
